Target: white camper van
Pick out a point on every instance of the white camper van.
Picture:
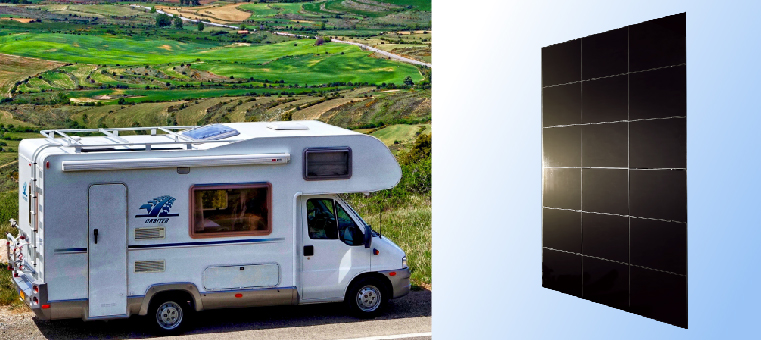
(176, 220)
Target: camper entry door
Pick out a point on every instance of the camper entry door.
(107, 250)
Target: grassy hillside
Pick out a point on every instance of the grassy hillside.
(294, 62)
(14, 68)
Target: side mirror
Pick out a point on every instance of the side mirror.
(368, 236)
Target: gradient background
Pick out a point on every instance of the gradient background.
(487, 170)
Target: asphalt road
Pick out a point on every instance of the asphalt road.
(406, 318)
(382, 52)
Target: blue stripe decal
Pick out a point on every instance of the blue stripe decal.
(69, 300)
(247, 290)
(182, 244)
(60, 250)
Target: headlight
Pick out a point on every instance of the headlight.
(404, 262)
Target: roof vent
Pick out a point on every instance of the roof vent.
(287, 126)
(211, 132)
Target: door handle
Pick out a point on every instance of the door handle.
(308, 250)
(95, 233)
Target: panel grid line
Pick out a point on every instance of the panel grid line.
(614, 261)
(615, 121)
(615, 75)
(610, 214)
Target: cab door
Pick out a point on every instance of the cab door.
(333, 250)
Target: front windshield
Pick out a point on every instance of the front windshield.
(354, 212)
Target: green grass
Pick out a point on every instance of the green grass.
(420, 5)
(8, 210)
(400, 133)
(9, 200)
(409, 226)
(148, 114)
(270, 10)
(8, 295)
(353, 66)
(297, 61)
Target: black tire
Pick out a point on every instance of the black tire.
(170, 314)
(367, 297)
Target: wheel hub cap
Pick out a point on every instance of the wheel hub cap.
(169, 315)
(368, 298)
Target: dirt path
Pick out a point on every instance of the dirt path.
(364, 47)
(384, 53)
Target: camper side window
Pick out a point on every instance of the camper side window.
(327, 163)
(231, 210)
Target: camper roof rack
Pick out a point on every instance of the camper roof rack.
(112, 135)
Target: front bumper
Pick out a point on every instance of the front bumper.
(400, 281)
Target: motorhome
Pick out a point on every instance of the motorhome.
(168, 221)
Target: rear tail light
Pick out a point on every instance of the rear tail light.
(15, 274)
(35, 301)
(36, 289)
(45, 306)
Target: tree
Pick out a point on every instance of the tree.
(178, 22)
(153, 9)
(408, 81)
(200, 26)
(319, 41)
(163, 20)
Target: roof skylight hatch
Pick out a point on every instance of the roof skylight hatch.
(211, 132)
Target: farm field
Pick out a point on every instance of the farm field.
(224, 14)
(295, 62)
(401, 133)
(265, 10)
(410, 44)
(15, 68)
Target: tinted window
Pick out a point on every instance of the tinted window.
(321, 220)
(326, 219)
(327, 163)
(231, 210)
(348, 231)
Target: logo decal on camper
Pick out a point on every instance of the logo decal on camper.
(24, 192)
(158, 207)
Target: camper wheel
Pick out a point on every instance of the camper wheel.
(367, 296)
(169, 314)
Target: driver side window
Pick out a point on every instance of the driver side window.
(348, 231)
(321, 221)
(326, 219)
